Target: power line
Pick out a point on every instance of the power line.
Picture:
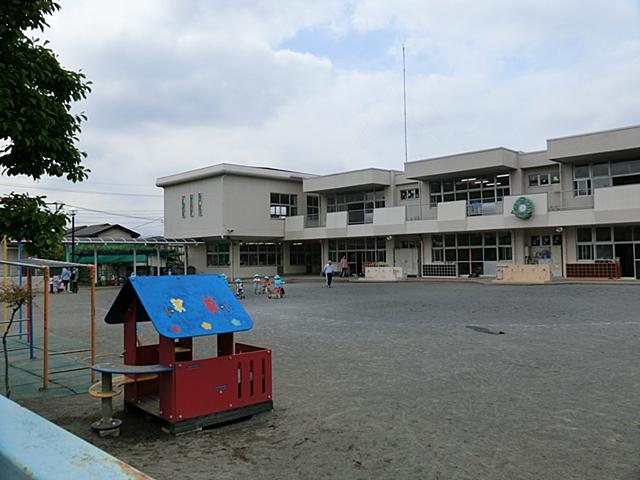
(112, 213)
(82, 191)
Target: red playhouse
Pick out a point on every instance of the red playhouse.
(163, 379)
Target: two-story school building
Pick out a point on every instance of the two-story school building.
(574, 206)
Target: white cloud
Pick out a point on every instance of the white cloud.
(179, 85)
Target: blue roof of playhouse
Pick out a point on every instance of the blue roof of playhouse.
(183, 305)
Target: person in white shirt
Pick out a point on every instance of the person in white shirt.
(328, 272)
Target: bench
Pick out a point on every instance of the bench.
(109, 387)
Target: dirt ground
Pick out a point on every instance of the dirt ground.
(388, 381)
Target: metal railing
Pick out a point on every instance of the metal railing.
(475, 209)
(570, 199)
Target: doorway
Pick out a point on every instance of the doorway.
(624, 251)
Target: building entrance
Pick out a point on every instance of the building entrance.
(624, 251)
(545, 248)
(358, 251)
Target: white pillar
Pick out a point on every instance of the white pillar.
(158, 259)
(135, 270)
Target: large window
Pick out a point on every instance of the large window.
(218, 254)
(283, 205)
(473, 190)
(471, 250)
(605, 243)
(604, 174)
(297, 254)
(358, 252)
(359, 204)
(259, 254)
(313, 209)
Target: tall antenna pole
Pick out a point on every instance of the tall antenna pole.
(404, 92)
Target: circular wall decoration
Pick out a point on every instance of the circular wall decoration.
(522, 208)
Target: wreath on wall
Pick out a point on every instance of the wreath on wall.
(522, 208)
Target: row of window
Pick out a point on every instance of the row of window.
(192, 205)
(598, 243)
(471, 250)
(359, 204)
(358, 250)
(543, 179)
(604, 174)
(258, 254)
(484, 189)
(410, 194)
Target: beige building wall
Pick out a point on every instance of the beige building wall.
(246, 202)
(207, 225)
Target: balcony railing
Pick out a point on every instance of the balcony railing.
(570, 199)
(475, 209)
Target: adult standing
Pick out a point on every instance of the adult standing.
(328, 272)
(344, 266)
(65, 277)
(74, 279)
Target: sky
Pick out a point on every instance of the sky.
(317, 86)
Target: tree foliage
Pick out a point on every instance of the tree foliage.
(38, 131)
(29, 218)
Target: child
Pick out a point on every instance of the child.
(266, 284)
(256, 284)
(239, 288)
(279, 284)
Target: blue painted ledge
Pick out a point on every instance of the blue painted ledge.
(34, 448)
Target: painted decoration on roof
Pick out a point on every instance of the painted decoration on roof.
(183, 305)
(522, 208)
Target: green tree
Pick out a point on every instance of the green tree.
(38, 131)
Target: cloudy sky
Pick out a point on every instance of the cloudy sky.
(317, 86)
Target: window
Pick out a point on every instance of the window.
(605, 174)
(410, 194)
(543, 179)
(584, 235)
(191, 205)
(283, 205)
(297, 254)
(259, 254)
(358, 204)
(358, 250)
(199, 204)
(471, 250)
(184, 206)
(218, 254)
(585, 252)
(476, 190)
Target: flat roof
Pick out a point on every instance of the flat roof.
(231, 169)
(139, 241)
